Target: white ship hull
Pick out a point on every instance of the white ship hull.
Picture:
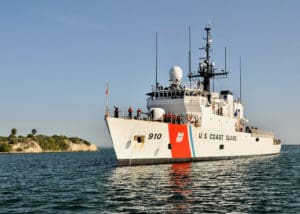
(148, 142)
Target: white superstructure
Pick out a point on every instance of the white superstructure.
(189, 123)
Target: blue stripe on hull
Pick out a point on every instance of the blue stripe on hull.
(191, 141)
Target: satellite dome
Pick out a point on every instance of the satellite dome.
(175, 74)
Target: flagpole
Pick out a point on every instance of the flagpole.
(106, 94)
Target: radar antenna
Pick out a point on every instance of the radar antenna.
(206, 68)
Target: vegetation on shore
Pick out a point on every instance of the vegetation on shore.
(47, 143)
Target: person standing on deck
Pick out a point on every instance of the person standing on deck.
(116, 112)
(138, 113)
(130, 113)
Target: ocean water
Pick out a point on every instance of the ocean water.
(93, 183)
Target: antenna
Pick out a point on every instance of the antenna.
(225, 61)
(240, 79)
(190, 58)
(156, 83)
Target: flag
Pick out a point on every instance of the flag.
(106, 91)
(106, 95)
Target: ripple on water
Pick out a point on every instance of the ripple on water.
(92, 183)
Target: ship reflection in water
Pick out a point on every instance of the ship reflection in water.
(218, 186)
(161, 187)
(180, 183)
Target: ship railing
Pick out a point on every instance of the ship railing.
(261, 133)
(125, 115)
(191, 86)
(167, 118)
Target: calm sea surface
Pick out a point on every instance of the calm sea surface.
(93, 183)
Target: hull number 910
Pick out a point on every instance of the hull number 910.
(154, 136)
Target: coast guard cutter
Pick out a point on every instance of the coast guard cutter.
(189, 122)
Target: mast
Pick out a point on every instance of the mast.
(190, 58)
(156, 83)
(225, 60)
(208, 41)
(240, 79)
(206, 68)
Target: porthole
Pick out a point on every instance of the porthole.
(139, 138)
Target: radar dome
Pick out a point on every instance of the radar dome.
(175, 74)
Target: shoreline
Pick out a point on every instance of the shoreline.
(47, 152)
(44, 143)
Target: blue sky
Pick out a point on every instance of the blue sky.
(56, 57)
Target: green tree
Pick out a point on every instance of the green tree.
(33, 131)
(30, 136)
(4, 147)
(13, 132)
(13, 136)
